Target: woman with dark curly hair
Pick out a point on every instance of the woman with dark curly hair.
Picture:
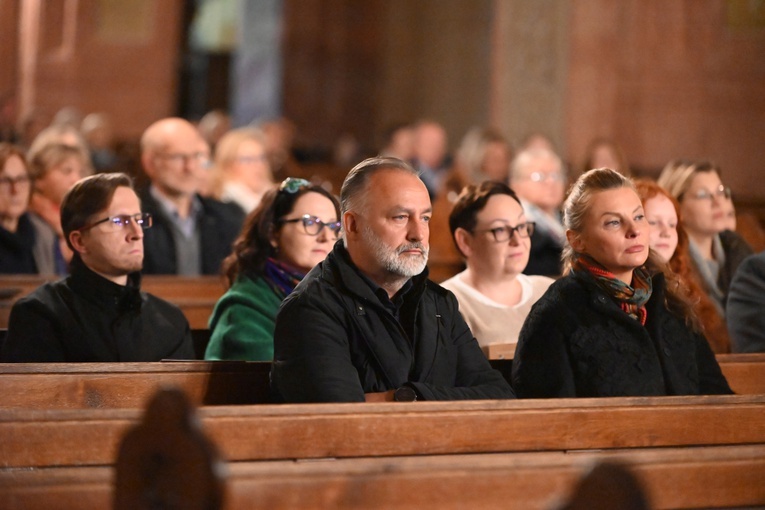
(616, 323)
(291, 231)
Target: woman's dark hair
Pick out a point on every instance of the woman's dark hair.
(253, 246)
(471, 201)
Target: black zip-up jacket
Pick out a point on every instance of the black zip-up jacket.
(336, 341)
(578, 342)
(87, 318)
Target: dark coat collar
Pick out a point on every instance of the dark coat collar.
(98, 289)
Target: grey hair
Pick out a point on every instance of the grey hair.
(526, 157)
(354, 189)
(577, 204)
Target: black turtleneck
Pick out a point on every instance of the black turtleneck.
(86, 317)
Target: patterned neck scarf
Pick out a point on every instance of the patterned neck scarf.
(281, 278)
(632, 299)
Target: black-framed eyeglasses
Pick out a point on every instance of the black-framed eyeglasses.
(313, 225)
(12, 182)
(121, 221)
(719, 192)
(294, 184)
(505, 232)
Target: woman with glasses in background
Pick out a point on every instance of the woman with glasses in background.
(54, 169)
(669, 241)
(18, 237)
(291, 231)
(617, 323)
(241, 172)
(705, 203)
(491, 232)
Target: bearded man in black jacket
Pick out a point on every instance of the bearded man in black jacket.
(366, 323)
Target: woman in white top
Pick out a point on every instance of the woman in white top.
(490, 229)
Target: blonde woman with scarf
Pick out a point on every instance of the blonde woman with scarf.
(617, 323)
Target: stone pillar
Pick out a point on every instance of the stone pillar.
(529, 68)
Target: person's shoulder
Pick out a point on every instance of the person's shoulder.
(754, 265)
(250, 291)
(536, 280)
(45, 292)
(164, 308)
(566, 290)
(735, 244)
(45, 300)
(227, 210)
(453, 283)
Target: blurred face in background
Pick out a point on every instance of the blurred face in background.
(175, 157)
(58, 179)
(496, 162)
(14, 191)
(540, 180)
(704, 205)
(430, 145)
(251, 167)
(662, 218)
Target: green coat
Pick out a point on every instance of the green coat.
(242, 323)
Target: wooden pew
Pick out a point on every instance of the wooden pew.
(270, 432)
(195, 295)
(691, 477)
(698, 477)
(129, 385)
(126, 385)
(745, 372)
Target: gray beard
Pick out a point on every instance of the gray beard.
(390, 258)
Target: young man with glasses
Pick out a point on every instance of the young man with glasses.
(98, 313)
(366, 323)
(192, 234)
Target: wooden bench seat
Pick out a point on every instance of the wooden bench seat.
(194, 295)
(304, 431)
(129, 385)
(695, 477)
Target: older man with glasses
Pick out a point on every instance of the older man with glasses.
(539, 179)
(192, 234)
(98, 313)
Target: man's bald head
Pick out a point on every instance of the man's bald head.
(161, 133)
(171, 156)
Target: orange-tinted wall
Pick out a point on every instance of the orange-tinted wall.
(684, 78)
(100, 55)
